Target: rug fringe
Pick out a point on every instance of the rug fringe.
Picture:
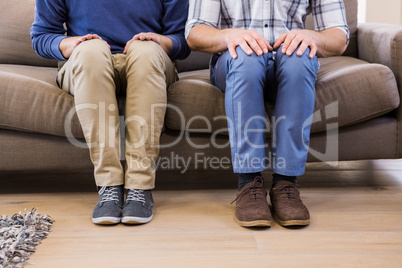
(20, 234)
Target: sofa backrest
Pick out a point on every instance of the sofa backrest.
(16, 17)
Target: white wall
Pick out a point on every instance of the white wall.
(361, 12)
(382, 11)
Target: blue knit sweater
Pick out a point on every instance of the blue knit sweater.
(116, 21)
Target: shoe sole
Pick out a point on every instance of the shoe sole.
(106, 220)
(135, 220)
(293, 222)
(257, 223)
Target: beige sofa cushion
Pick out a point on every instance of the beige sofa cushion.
(357, 90)
(195, 104)
(363, 90)
(30, 101)
(16, 18)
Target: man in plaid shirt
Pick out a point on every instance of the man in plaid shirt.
(262, 52)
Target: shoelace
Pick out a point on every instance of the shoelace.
(135, 195)
(289, 191)
(256, 192)
(108, 193)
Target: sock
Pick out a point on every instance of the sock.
(245, 178)
(278, 177)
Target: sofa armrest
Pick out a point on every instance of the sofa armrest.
(382, 43)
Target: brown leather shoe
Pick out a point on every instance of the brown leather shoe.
(252, 208)
(288, 208)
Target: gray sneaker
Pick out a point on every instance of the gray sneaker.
(108, 209)
(138, 208)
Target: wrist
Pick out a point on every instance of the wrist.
(166, 44)
(55, 47)
(63, 47)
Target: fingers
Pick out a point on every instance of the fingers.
(143, 37)
(140, 36)
(265, 45)
(303, 47)
(88, 37)
(77, 42)
(296, 40)
(259, 44)
(80, 40)
(291, 42)
(127, 46)
(249, 42)
(244, 45)
(232, 51)
(95, 36)
(279, 41)
(147, 36)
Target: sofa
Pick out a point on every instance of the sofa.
(357, 113)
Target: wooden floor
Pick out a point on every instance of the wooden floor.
(356, 221)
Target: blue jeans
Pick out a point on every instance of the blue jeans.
(248, 81)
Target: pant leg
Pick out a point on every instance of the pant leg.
(243, 80)
(149, 72)
(296, 76)
(89, 76)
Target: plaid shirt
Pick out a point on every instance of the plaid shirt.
(269, 18)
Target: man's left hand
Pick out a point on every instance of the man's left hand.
(301, 39)
(163, 41)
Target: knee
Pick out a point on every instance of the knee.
(250, 65)
(245, 59)
(91, 53)
(300, 65)
(146, 53)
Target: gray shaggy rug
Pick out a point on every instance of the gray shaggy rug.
(19, 234)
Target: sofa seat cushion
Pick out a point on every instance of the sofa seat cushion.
(348, 91)
(195, 104)
(30, 101)
(356, 89)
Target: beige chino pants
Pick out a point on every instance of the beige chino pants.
(94, 76)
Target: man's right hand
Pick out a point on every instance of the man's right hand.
(248, 40)
(211, 40)
(67, 45)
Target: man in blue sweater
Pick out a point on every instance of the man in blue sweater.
(109, 47)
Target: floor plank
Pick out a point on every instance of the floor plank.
(356, 216)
